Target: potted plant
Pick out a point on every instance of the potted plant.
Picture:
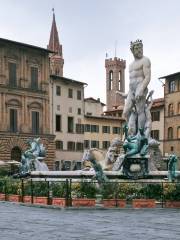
(40, 192)
(83, 194)
(13, 190)
(147, 195)
(27, 192)
(172, 195)
(112, 195)
(2, 194)
(58, 193)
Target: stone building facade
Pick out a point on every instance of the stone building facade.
(99, 131)
(66, 117)
(172, 114)
(157, 115)
(24, 94)
(115, 81)
(93, 107)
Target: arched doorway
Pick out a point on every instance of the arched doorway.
(16, 154)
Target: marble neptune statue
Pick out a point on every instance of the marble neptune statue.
(135, 109)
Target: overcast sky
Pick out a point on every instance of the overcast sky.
(89, 28)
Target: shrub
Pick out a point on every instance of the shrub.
(83, 190)
(12, 186)
(172, 191)
(111, 190)
(27, 188)
(151, 191)
(2, 190)
(127, 190)
(40, 189)
(58, 189)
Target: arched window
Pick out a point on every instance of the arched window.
(170, 133)
(110, 80)
(178, 132)
(119, 82)
(170, 110)
(16, 154)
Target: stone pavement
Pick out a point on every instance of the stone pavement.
(19, 222)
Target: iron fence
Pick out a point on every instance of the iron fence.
(46, 191)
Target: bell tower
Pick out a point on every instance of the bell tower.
(56, 58)
(115, 81)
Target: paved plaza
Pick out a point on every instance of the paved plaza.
(31, 223)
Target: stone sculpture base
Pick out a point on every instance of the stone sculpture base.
(135, 167)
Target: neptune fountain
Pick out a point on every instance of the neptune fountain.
(134, 162)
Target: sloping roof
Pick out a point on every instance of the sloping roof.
(158, 102)
(119, 109)
(170, 75)
(24, 45)
(67, 80)
(91, 99)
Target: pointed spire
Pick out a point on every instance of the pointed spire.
(54, 44)
(56, 60)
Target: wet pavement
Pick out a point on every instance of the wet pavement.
(31, 223)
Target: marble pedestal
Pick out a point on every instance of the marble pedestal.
(136, 166)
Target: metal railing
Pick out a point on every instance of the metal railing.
(29, 190)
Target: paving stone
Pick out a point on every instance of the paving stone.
(21, 223)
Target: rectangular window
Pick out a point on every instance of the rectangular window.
(13, 120)
(106, 129)
(35, 122)
(116, 130)
(70, 93)
(59, 145)
(86, 144)
(172, 86)
(66, 166)
(34, 78)
(94, 128)
(71, 146)
(58, 123)
(79, 111)
(58, 107)
(79, 146)
(57, 165)
(79, 128)
(155, 134)
(77, 166)
(155, 116)
(94, 144)
(70, 124)
(12, 74)
(78, 95)
(105, 144)
(87, 128)
(58, 91)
